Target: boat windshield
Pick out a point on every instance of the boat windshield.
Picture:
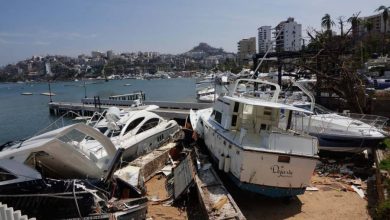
(318, 109)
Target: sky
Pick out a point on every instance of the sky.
(73, 27)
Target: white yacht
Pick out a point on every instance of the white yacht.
(243, 135)
(343, 132)
(206, 95)
(138, 131)
(61, 154)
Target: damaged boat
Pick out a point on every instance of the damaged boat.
(339, 132)
(60, 153)
(138, 132)
(243, 135)
(26, 189)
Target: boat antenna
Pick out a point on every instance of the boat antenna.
(269, 49)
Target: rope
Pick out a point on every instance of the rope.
(75, 199)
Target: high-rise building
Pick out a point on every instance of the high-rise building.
(246, 49)
(377, 24)
(110, 54)
(290, 37)
(264, 40)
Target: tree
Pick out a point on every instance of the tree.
(340, 20)
(327, 23)
(354, 21)
(385, 16)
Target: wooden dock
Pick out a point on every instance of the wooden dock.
(168, 109)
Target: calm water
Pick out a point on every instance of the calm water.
(22, 116)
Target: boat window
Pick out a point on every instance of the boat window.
(5, 175)
(169, 125)
(218, 117)
(236, 106)
(102, 129)
(234, 120)
(151, 123)
(134, 124)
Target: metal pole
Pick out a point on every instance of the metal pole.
(50, 93)
(85, 91)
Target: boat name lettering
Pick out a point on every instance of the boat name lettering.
(280, 171)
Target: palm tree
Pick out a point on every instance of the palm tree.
(327, 23)
(385, 16)
(341, 21)
(368, 25)
(354, 21)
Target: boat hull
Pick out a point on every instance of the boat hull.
(353, 144)
(270, 173)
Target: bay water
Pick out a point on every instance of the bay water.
(21, 116)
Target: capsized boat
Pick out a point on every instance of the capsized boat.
(60, 153)
(26, 189)
(137, 131)
(243, 136)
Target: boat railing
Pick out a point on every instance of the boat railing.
(373, 120)
(60, 122)
(333, 123)
(292, 143)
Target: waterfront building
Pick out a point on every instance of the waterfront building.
(378, 24)
(264, 40)
(290, 37)
(246, 49)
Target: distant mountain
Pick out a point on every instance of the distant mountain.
(205, 50)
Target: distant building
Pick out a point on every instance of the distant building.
(378, 24)
(48, 69)
(246, 49)
(264, 40)
(110, 55)
(96, 54)
(290, 38)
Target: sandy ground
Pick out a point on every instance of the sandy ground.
(326, 203)
(157, 210)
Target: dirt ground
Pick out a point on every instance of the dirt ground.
(327, 203)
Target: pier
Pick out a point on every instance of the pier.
(167, 109)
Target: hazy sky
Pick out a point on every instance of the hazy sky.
(72, 27)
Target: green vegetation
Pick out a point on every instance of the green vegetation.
(383, 210)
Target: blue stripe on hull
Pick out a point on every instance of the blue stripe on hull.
(330, 141)
(274, 192)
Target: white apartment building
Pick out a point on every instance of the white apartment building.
(290, 39)
(264, 40)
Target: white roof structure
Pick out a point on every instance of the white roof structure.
(259, 102)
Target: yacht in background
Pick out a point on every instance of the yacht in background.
(206, 95)
(243, 134)
(344, 132)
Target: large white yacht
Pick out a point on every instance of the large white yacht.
(61, 154)
(138, 132)
(244, 136)
(342, 132)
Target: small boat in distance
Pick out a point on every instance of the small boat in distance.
(26, 93)
(48, 93)
(127, 84)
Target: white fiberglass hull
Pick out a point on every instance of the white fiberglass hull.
(267, 172)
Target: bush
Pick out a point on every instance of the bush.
(383, 210)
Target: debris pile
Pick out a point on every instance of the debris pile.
(343, 174)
